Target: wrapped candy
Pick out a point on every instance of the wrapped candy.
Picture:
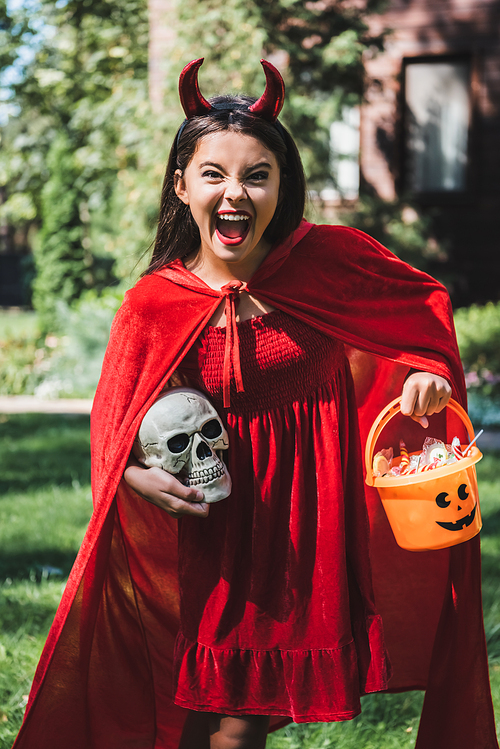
(430, 466)
(435, 454)
(405, 458)
(382, 462)
(456, 448)
(434, 451)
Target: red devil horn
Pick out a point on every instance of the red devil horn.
(193, 103)
(271, 102)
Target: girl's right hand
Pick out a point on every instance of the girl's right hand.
(165, 491)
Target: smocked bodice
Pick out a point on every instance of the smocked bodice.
(282, 361)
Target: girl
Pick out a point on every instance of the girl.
(274, 617)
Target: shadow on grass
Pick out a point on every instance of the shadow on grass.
(41, 449)
(36, 565)
(44, 495)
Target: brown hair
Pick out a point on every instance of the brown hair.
(177, 234)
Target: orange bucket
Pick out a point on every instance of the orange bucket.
(431, 510)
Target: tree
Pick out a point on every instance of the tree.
(320, 46)
(60, 147)
(82, 157)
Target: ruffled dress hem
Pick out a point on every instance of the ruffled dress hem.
(276, 604)
(278, 682)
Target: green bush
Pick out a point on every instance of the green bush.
(18, 358)
(64, 365)
(478, 333)
(75, 365)
(60, 257)
(65, 266)
(401, 227)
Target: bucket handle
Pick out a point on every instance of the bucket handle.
(387, 414)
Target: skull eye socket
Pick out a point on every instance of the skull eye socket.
(178, 443)
(211, 429)
(462, 492)
(441, 500)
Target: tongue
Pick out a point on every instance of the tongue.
(231, 229)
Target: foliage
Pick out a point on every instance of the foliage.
(484, 410)
(318, 46)
(60, 256)
(64, 365)
(70, 104)
(478, 333)
(18, 358)
(44, 509)
(73, 368)
(82, 155)
(401, 227)
(19, 347)
(15, 323)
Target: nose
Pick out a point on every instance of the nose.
(234, 191)
(203, 451)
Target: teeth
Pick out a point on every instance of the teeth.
(205, 476)
(232, 217)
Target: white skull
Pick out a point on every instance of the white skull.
(180, 433)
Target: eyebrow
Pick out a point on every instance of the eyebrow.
(260, 165)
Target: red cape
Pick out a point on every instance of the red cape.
(104, 678)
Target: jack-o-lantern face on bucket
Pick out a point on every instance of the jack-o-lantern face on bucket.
(465, 504)
(431, 509)
(434, 511)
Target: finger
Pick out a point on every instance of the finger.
(177, 508)
(443, 401)
(422, 402)
(169, 484)
(408, 398)
(195, 509)
(422, 420)
(432, 402)
(187, 493)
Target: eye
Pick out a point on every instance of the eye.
(462, 492)
(441, 500)
(178, 443)
(258, 177)
(211, 429)
(210, 174)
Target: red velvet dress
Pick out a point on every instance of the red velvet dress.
(277, 612)
(104, 678)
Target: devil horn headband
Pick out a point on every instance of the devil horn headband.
(194, 103)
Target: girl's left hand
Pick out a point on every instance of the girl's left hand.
(424, 394)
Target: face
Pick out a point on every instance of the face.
(232, 187)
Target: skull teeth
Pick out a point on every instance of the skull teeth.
(205, 476)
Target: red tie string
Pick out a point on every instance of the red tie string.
(232, 291)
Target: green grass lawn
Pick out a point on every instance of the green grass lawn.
(45, 504)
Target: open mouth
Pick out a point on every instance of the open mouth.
(459, 524)
(232, 228)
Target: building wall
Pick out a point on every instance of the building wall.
(469, 223)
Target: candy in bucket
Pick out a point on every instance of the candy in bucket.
(434, 454)
(430, 496)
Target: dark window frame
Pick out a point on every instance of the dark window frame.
(440, 197)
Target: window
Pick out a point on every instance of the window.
(344, 145)
(437, 125)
